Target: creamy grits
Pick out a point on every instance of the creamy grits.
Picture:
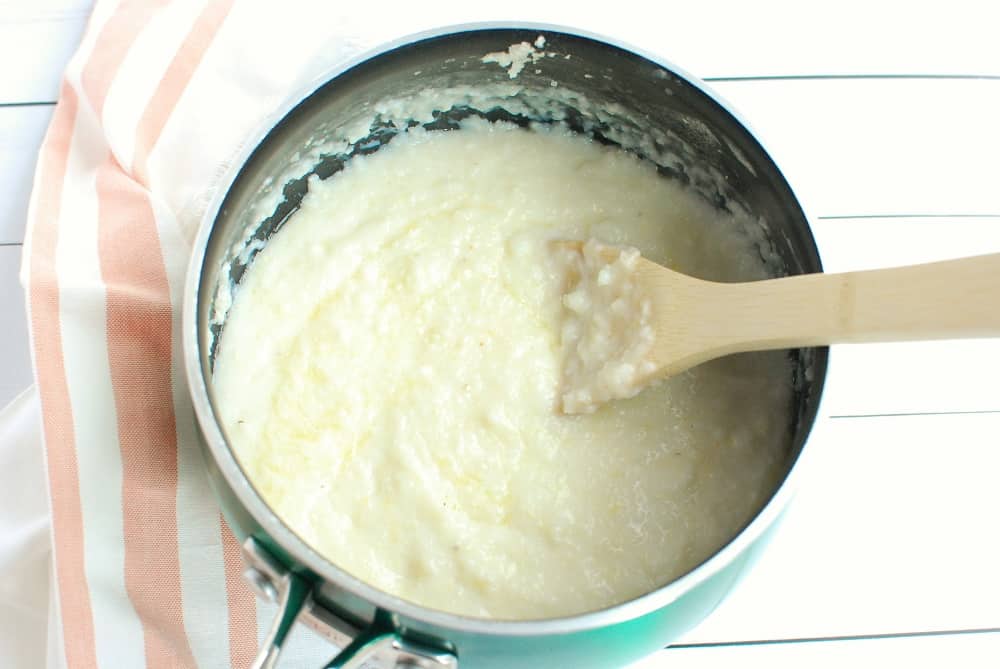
(390, 378)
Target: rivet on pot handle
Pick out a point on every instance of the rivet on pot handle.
(376, 646)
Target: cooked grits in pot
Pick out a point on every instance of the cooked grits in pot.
(391, 378)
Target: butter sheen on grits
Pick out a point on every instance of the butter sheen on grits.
(390, 378)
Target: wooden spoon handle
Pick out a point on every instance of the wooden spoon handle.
(941, 300)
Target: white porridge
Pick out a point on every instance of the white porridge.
(390, 377)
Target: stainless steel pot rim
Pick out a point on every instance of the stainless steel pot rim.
(298, 548)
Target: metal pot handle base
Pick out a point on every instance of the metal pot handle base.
(379, 646)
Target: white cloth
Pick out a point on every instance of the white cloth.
(25, 542)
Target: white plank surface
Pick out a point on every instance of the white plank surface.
(790, 37)
(21, 132)
(15, 361)
(893, 530)
(968, 651)
(36, 40)
(880, 146)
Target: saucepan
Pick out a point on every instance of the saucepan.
(596, 86)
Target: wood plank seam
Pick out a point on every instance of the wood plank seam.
(849, 637)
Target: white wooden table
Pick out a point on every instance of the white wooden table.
(886, 118)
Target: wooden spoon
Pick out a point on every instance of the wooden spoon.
(687, 321)
(695, 320)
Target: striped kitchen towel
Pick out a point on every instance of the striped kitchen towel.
(154, 103)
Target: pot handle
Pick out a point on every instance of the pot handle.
(378, 646)
(291, 598)
(388, 649)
